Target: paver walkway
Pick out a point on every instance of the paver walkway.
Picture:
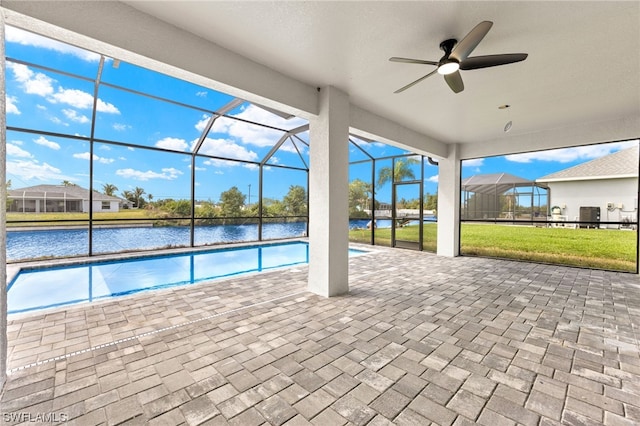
(420, 339)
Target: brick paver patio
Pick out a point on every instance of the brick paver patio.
(420, 339)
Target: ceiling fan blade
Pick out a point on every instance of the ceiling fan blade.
(402, 89)
(470, 41)
(413, 61)
(491, 60)
(454, 80)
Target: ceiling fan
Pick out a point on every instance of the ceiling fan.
(456, 57)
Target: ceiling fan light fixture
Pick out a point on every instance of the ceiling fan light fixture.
(448, 68)
(456, 57)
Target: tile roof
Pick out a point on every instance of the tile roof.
(620, 164)
(70, 192)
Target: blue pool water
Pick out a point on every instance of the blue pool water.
(56, 286)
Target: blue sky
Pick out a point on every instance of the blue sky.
(534, 165)
(58, 103)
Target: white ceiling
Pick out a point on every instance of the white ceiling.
(583, 64)
(579, 85)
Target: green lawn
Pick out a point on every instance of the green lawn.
(48, 219)
(409, 233)
(597, 248)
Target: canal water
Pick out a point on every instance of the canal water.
(30, 244)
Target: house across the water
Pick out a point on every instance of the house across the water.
(61, 198)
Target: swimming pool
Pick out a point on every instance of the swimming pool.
(57, 286)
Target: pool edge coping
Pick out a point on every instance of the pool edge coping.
(14, 269)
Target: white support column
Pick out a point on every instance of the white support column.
(449, 171)
(4, 346)
(329, 195)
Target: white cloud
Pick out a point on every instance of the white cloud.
(201, 94)
(568, 155)
(120, 127)
(167, 174)
(86, 156)
(12, 108)
(83, 155)
(200, 125)
(36, 83)
(33, 83)
(172, 171)
(73, 115)
(58, 121)
(106, 107)
(228, 149)
(476, 162)
(365, 144)
(174, 144)
(82, 100)
(25, 38)
(250, 134)
(246, 133)
(13, 150)
(260, 115)
(45, 142)
(433, 179)
(33, 170)
(105, 147)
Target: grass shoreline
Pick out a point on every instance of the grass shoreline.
(609, 249)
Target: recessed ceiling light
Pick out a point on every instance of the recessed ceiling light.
(507, 126)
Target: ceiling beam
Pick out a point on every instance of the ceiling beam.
(369, 125)
(128, 35)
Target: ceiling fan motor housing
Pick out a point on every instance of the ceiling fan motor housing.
(448, 65)
(448, 45)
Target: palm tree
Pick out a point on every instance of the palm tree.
(128, 195)
(68, 183)
(402, 171)
(137, 194)
(109, 189)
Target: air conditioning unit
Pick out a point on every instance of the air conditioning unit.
(590, 215)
